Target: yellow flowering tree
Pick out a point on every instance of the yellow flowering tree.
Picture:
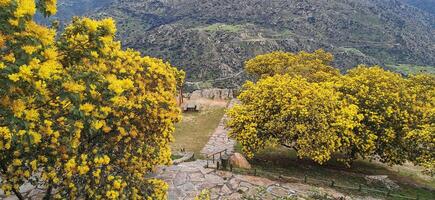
(421, 140)
(79, 115)
(312, 66)
(398, 115)
(290, 111)
(300, 103)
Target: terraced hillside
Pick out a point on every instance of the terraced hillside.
(210, 39)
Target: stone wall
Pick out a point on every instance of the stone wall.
(213, 93)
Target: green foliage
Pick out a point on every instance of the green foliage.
(409, 69)
(222, 27)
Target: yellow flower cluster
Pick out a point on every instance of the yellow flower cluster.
(25, 7)
(50, 6)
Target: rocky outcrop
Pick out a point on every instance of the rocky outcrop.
(239, 161)
(214, 93)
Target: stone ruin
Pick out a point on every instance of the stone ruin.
(213, 93)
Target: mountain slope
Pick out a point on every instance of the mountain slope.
(210, 39)
(427, 5)
(70, 8)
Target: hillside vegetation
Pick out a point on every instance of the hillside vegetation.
(210, 39)
(427, 5)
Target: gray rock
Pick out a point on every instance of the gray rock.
(180, 178)
(213, 93)
(382, 180)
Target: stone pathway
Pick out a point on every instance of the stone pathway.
(219, 141)
(187, 180)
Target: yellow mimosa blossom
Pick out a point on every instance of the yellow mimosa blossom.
(117, 184)
(29, 49)
(83, 169)
(31, 115)
(25, 7)
(98, 124)
(18, 107)
(14, 77)
(50, 6)
(36, 137)
(33, 164)
(17, 162)
(9, 58)
(112, 194)
(87, 108)
(74, 87)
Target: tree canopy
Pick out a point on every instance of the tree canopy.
(312, 118)
(315, 67)
(79, 115)
(302, 103)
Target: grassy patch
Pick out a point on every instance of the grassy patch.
(275, 161)
(222, 27)
(193, 132)
(175, 157)
(412, 69)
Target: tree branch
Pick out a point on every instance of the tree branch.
(17, 193)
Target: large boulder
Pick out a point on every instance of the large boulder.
(239, 161)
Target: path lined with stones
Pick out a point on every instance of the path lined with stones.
(187, 180)
(219, 140)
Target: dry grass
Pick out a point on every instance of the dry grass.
(281, 161)
(195, 129)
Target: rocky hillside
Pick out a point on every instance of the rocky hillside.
(426, 5)
(210, 39)
(69, 8)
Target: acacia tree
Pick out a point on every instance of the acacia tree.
(368, 113)
(385, 103)
(398, 123)
(80, 116)
(308, 117)
(398, 115)
(421, 140)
